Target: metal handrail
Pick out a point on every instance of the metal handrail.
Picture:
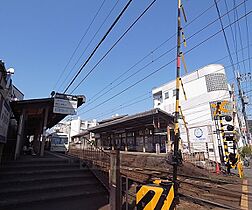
(97, 160)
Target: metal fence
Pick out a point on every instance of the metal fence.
(97, 160)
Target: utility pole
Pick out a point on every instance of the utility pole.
(177, 134)
(238, 78)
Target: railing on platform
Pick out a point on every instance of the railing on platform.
(98, 161)
(93, 157)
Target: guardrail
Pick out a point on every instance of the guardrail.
(98, 161)
(93, 157)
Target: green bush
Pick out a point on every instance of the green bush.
(246, 151)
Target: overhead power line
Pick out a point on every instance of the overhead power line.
(165, 65)
(247, 31)
(225, 36)
(123, 105)
(231, 60)
(78, 45)
(151, 52)
(226, 67)
(98, 45)
(151, 62)
(89, 43)
(139, 17)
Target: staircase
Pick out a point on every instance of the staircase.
(51, 182)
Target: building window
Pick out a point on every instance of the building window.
(174, 92)
(158, 95)
(216, 81)
(166, 95)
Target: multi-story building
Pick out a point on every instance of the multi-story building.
(8, 92)
(74, 127)
(203, 89)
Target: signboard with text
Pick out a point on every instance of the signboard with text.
(65, 104)
(199, 134)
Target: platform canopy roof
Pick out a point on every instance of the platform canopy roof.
(155, 118)
(34, 110)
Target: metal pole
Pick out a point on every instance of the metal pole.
(19, 135)
(217, 127)
(177, 135)
(127, 193)
(44, 133)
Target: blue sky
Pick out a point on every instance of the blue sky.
(38, 38)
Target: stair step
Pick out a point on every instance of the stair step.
(15, 191)
(36, 161)
(52, 182)
(43, 179)
(72, 203)
(38, 166)
(47, 196)
(40, 171)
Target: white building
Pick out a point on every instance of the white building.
(203, 87)
(73, 127)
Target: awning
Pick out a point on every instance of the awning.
(34, 113)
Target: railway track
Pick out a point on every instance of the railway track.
(200, 190)
(205, 191)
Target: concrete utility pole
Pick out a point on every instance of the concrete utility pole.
(238, 78)
(177, 134)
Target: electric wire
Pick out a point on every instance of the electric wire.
(79, 43)
(248, 40)
(152, 51)
(125, 104)
(121, 106)
(98, 45)
(157, 70)
(139, 81)
(225, 36)
(118, 40)
(89, 43)
(240, 38)
(211, 62)
(232, 33)
(231, 60)
(194, 34)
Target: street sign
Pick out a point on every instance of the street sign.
(65, 104)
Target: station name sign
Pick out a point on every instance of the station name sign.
(65, 104)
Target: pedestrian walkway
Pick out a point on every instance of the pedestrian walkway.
(246, 200)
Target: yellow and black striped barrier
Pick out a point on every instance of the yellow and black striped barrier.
(159, 196)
